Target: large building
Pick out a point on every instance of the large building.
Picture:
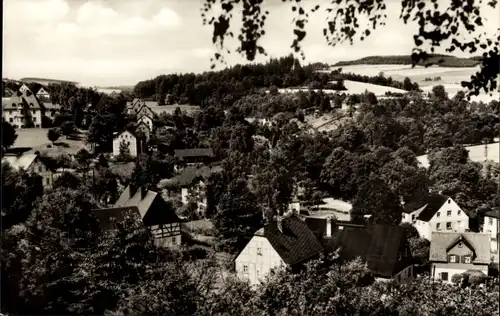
(23, 109)
(436, 212)
(455, 253)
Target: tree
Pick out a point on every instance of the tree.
(124, 153)
(9, 135)
(343, 25)
(439, 92)
(83, 157)
(67, 128)
(53, 134)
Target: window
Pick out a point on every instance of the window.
(259, 251)
(40, 169)
(174, 241)
(245, 269)
(448, 213)
(438, 214)
(34, 119)
(11, 120)
(438, 226)
(448, 225)
(491, 221)
(467, 259)
(449, 201)
(453, 259)
(444, 276)
(460, 245)
(459, 212)
(13, 105)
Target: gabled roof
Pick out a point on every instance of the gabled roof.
(295, 244)
(109, 216)
(193, 152)
(23, 161)
(427, 206)
(125, 131)
(441, 241)
(152, 208)
(189, 174)
(42, 91)
(377, 245)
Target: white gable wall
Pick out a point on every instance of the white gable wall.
(256, 260)
(149, 122)
(490, 226)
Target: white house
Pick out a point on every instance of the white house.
(436, 212)
(129, 139)
(284, 242)
(455, 253)
(490, 226)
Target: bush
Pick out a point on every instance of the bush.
(53, 134)
(477, 279)
(195, 252)
(456, 278)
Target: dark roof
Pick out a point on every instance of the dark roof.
(495, 214)
(194, 152)
(377, 245)
(442, 241)
(427, 205)
(109, 216)
(152, 207)
(189, 174)
(296, 243)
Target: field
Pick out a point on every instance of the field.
(450, 77)
(169, 109)
(36, 139)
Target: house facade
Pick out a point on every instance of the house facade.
(436, 213)
(146, 120)
(192, 156)
(31, 163)
(23, 110)
(127, 138)
(43, 95)
(455, 253)
(284, 242)
(142, 129)
(155, 213)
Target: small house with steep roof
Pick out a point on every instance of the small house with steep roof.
(128, 139)
(436, 212)
(155, 213)
(457, 252)
(284, 242)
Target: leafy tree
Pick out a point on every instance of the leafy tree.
(84, 158)
(53, 134)
(124, 153)
(9, 135)
(439, 92)
(238, 216)
(344, 26)
(67, 128)
(68, 180)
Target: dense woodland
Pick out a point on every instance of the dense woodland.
(433, 59)
(59, 262)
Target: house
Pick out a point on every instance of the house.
(24, 88)
(155, 213)
(283, 242)
(31, 163)
(436, 212)
(109, 217)
(146, 119)
(192, 156)
(190, 185)
(491, 220)
(51, 110)
(43, 95)
(23, 109)
(132, 105)
(144, 110)
(384, 248)
(127, 138)
(457, 252)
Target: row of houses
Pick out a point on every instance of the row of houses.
(26, 109)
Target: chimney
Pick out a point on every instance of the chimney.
(144, 191)
(328, 227)
(279, 223)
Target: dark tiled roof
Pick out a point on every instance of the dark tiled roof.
(441, 241)
(377, 245)
(152, 208)
(428, 206)
(189, 174)
(109, 216)
(194, 152)
(296, 243)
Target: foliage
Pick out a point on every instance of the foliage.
(53, 134)
(433, 59)
(124, 152)
(9, 135)
(67, 128)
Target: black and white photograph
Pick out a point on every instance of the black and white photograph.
(250, 158)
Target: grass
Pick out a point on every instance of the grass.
(440, 60)
(35, 139)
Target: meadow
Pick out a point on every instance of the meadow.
(36, 139)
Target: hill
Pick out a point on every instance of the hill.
(439, 60)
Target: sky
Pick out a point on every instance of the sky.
(121, 42)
